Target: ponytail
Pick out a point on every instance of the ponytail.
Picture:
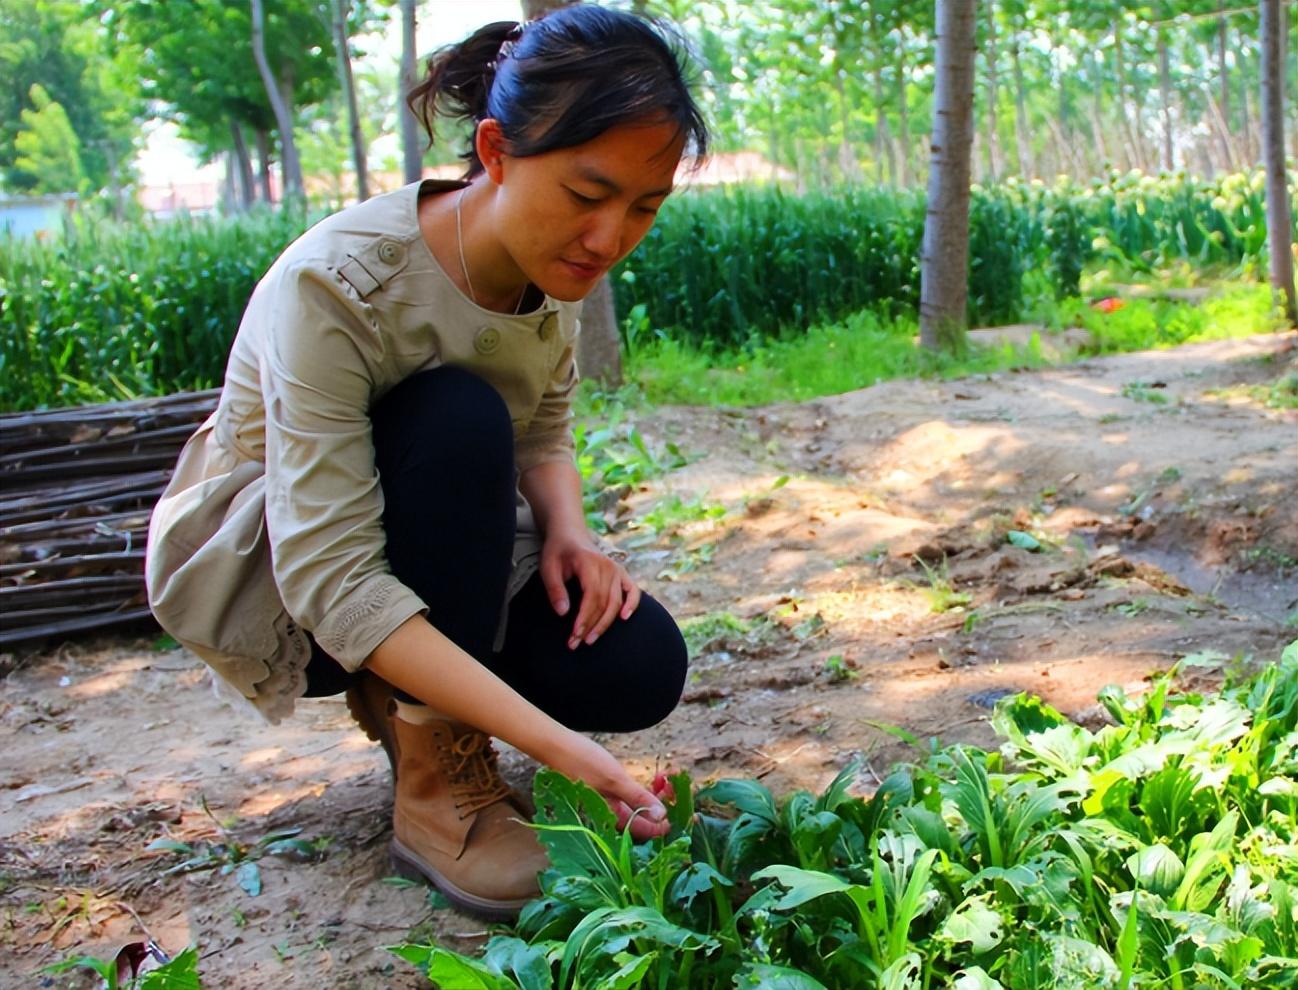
(458, 81)
(561, 81)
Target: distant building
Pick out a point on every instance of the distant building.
(201, 196)
(27, 216)
(726, 168)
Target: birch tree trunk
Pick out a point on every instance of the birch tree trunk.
(247, 190)
(263, 163)
(903, 110)
(412, 155)
(944, 271)
(599, 347)
(342, 45)
(1135, 147)
(994, 164)
(1022, 143)
(1278, 208)
(883, 152)
(1165, 99)
(291, 165)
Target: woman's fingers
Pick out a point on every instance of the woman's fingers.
(611, 606)
(598, 591)
(631, 595)
(555, 587)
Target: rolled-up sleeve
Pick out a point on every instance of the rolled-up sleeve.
(324, 505)
(549, 435)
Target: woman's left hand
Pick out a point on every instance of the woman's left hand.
(607, 591)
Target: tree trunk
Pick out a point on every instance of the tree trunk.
(944, 273)
(1165, 99)
(263, 159)
(1278, 218)
(412, 155)
(599, 345)
(994, 164)
(903, 110)
(1022, 143)
(348, 83)
(882, 139)
(848, 166)
(1135, 148)
(1223, 79)
(291, 165)
(243, 163)
(229, 198)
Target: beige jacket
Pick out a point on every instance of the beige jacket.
(271, 524)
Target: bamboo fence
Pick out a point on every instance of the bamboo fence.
(76, 490)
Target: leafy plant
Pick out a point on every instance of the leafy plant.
(1155, 852)
(180, 973)
(229, 855)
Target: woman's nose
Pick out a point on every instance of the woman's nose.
(604, 236)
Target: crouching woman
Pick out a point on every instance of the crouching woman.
(385, 503)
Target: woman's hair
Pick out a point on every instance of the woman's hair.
(561, 80)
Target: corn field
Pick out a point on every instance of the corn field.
(105, 314)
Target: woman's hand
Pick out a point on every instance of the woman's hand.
(607, 591)
(581, 758)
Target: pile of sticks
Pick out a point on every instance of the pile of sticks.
(76, 489)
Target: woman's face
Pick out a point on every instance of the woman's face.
(565, 217)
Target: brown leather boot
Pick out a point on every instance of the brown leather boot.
(369, 699)
(456, 823)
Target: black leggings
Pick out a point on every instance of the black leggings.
(444, 448)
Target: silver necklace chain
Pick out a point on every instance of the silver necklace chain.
(459, 244)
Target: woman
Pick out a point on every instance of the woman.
(385, 500)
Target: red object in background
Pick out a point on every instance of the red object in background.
(1109, 304)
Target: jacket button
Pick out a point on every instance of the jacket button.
(547, 326)
(486, 340)
(389, 252)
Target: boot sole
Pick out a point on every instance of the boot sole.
(410, 865)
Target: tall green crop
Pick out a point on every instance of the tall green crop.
(148, 309)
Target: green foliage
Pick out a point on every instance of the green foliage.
(59, 46)
(229, 855)
(863, 349)
(721, 268)
(180, 973)
(49, 154)
(736, 297)
(142, 310)
(1156, 852)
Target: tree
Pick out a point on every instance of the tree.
(54, 44)
(411, 153)
(48, 149)
(279, 91)
(342, 46)
(944, 260)
(1278, 217)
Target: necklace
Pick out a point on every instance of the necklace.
(459, 244)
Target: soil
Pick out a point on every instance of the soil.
(862, 577)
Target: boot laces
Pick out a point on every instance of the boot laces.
(470, 764)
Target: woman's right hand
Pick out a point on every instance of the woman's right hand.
(581, 758)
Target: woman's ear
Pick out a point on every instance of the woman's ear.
(490, 144)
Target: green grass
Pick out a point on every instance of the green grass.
(866, 349)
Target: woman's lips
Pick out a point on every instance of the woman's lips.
(584, 271)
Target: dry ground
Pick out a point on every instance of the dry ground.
(1166, 528)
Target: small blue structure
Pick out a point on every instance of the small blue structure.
(25, 216)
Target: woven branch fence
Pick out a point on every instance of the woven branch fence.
(76, 490)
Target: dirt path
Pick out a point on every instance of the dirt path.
(876, 585)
